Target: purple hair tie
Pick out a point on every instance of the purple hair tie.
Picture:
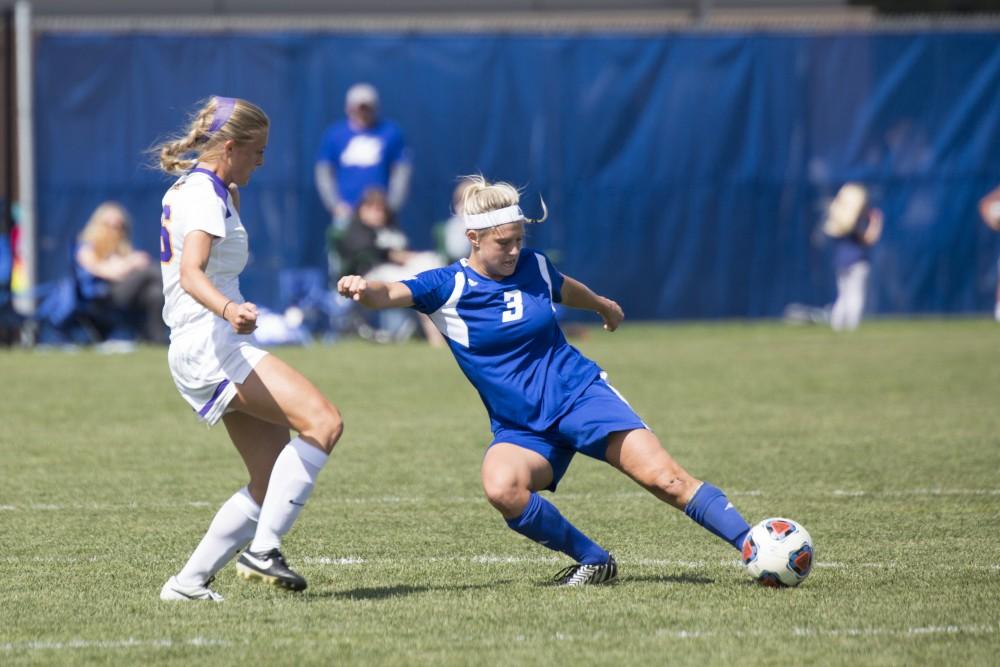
(223, 110)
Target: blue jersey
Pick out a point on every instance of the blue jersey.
(505, 338)
(362, 158)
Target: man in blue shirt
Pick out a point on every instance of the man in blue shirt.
(546, 401)
(361, 152)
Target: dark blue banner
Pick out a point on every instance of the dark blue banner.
(686, 173)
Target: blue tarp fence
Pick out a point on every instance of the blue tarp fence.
(686, 173)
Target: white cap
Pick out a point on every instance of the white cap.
(362, 94)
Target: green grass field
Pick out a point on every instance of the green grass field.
(885, 444)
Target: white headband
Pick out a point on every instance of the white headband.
(501, 216)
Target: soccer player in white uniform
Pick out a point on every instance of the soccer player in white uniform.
(217, 370)
(546, 401)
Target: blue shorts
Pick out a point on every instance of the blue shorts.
(597, 413)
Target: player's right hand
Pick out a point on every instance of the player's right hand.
(352, 287)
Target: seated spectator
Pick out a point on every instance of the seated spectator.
(116, 280)
(374, 246)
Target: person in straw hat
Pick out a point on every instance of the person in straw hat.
(854, 226)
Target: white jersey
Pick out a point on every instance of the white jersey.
(200, 200)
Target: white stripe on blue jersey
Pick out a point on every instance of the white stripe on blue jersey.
(447, 319)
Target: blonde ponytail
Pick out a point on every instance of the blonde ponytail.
(181, 153)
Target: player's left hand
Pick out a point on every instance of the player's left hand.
(243, 318)
(612, 314)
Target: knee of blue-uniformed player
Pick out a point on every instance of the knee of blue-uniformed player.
(505, 492)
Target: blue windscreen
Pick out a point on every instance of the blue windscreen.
(686, 173)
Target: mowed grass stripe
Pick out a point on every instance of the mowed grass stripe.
(396, 500)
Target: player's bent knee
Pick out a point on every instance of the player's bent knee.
(333, 427)
(325, 428)
(508, 497)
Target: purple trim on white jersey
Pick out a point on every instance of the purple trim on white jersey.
(218, 185)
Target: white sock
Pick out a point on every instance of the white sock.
(292, 480)
(231, 529)
(996, 312)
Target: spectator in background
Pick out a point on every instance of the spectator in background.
(854, 227)
(989, 209)
(372, 237)
(357, 153)
(115, 279)
(373, 245)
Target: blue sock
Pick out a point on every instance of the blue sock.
(541, 521)
(711, 510)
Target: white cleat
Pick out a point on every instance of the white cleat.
(172, 590)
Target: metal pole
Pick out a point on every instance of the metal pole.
(6, 220)
(24, 301)
(702, 8)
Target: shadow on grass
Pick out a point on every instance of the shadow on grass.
(669, 579)
(387, 592)
(657, 579)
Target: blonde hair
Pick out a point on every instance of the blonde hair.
(480, 196)
(104, 239)
(181, 153)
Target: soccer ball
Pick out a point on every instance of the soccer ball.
(778, 552)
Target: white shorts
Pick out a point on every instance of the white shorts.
(207, 364)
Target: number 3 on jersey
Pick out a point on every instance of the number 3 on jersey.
(515, 306)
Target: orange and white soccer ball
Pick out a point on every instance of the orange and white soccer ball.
(778, 552)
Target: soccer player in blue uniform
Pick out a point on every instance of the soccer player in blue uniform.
(546, 401)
